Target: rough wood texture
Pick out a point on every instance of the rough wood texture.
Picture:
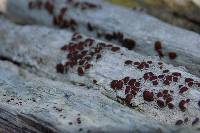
(108, 19)
(55, 80)
(51, 102)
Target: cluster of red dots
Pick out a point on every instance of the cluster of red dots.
(162, 98)
(81, 52)
(166, 77)
(143, 65)
(70, 23)
(158, 48)
(132, 86)
(42, 5)
(140, 65)
(192, 83)
(59, 20)
(62, 22)
(119, 37)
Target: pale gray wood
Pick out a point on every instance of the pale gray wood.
(34, 76)
(97, 112)
(141, 27)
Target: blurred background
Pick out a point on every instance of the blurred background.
(182, 13)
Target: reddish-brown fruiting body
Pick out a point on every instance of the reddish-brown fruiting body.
(128, 62)
(119, 84)
(170, 105)
(128, 43)
(128, 99)
(157, 45)
(80, 71)
(183, 105)
(160, 94)
(161, 103)
(148, 96)
(126, 79)
(114, 49)
(172, 55)
(60, 68)
(183, 89)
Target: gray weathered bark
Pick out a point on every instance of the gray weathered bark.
(37, 97)
(143, 28)
(49, 102)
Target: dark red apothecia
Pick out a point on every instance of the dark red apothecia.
(81, 52)
(128, 43)
(148, 96)
(60, 68)
(119, 84)
(119, 37)
(172, 55)
(80, 71)
(189, 80)
(49, 7)
(113, 84)
(94, 81)
(126, 79)
(162, 98)
(159, 94)
(140, 65)
(128, 62)
(114, 49)
(183, 105)
(158, 48)
(183, 89)
(157, 45)
(131, 88)
(170, 105)
(128, 99)
(59, 20)
(161, 103)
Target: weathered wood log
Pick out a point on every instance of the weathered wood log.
(33, 104)
(107, 19)
(159, 91)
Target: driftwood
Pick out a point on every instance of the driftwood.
(53, 102)
(107, 19)
(54, 80)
